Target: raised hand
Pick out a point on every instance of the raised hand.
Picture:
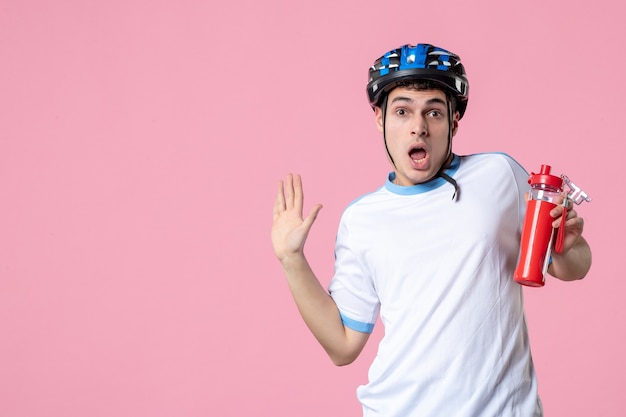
(290, 229)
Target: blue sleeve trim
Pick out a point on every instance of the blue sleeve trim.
(357, 325)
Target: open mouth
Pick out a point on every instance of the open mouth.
(418, 154)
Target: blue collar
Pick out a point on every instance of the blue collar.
(423, 187)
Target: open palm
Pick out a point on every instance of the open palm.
(290, 229)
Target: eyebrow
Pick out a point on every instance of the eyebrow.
(428, 102)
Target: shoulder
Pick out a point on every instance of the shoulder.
(366, 204)
(495, 164)
(493, 159)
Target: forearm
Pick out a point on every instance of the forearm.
(320, 312)
(572, 265)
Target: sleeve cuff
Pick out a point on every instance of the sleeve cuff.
(356, 325)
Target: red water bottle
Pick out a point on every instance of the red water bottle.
(538, 233)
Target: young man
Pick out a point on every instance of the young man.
(432, 252)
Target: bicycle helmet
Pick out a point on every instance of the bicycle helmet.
(419, 62)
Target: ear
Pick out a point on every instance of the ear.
(378, 115)
(455, 123)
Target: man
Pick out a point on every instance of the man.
(432, 252)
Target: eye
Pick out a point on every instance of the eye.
(401, 112)
(435, 113)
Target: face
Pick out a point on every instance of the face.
(416, 129)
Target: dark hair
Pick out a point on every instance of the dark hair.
(428, 85)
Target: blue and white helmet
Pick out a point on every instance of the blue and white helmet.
(419, 62)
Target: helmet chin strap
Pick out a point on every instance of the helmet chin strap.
(384, 110)
(446, 163)
(448, 160)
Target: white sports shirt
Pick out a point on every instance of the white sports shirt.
(440, 274)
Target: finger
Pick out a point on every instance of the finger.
(298, 194)
(556, 212)
(571, 220)
(571, 214)
(564, 200)
(575, 223)
(289, 192)
(557, 215)
(279, 201)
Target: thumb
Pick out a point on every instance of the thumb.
(308, 222)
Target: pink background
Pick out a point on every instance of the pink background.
(140, 147)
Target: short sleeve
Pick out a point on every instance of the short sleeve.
(352, 287)
(521, 179)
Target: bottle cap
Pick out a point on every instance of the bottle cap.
(544, 177)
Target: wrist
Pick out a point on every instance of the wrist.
(294, 261)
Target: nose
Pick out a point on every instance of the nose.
(420, 127)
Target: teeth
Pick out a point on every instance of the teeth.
(417, 161)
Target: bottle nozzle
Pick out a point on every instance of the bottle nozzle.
(544, 177)
(545, 169)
